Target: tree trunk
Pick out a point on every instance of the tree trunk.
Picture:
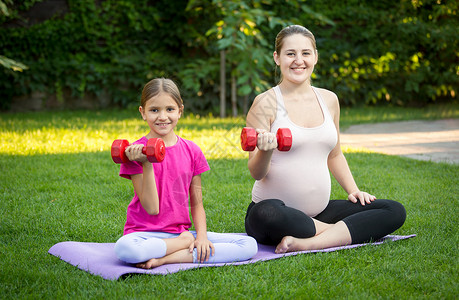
(234, 95)
(245, 105)
(222, 84)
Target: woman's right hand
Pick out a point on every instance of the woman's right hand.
(266, 141)
(134, 153)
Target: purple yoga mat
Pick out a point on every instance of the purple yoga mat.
(99, 258)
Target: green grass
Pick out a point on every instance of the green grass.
(58, 183)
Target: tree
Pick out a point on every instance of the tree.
(240, 36)
(5, 61)
(243, 46)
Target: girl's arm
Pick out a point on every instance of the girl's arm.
(337, 163)
(202, 244)
(260, 116)
(145, 183)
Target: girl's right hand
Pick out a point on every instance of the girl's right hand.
(134, 153)
(266, 141)
(204, 249)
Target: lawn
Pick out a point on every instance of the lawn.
(58, 183)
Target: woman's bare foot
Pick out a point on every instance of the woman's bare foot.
(336, 235)
(287, 244)
(290, 243)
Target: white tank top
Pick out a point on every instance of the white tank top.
(300, 177)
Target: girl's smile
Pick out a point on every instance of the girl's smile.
(162, 113)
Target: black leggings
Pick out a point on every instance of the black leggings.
(270, 220)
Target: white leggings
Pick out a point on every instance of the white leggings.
(139, 247)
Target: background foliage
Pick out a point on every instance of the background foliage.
(370, 52)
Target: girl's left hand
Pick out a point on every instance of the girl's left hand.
(363, 197)
(204, 249)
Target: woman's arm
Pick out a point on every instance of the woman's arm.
(145, 183)
(202, 244)
(337, 163)
(260, 116)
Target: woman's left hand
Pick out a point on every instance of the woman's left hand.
(363, 197)
(204, 249)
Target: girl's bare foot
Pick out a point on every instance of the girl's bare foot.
(187, 236)
(174, 245)
(149, 264)
(181, 256)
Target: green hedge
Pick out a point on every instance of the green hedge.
(383, 51)
(113, 47)
(371, 52)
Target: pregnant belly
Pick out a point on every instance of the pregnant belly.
(308, 191)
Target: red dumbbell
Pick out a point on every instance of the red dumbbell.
(155, 150)
(249, 139)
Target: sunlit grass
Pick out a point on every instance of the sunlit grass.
(76, 132)
(215, 142)
(347, 149)
(218, 138)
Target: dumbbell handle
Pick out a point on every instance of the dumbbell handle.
(155, 150)
(144, 150)
(249, 139)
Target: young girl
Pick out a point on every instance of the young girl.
(156, 229)
(290, 199)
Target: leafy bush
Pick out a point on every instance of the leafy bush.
(380, 51)
(371, 52)
(111, 47)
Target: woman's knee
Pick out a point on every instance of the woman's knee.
(399, 213)
(266, 210)
(262, 218)
(270, 220)
(264, 214)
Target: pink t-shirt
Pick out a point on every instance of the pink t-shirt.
(173, 179)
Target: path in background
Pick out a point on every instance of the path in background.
(436, 141)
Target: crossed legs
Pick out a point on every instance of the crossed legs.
(177, 251)
(341, 223)
(152, 249)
